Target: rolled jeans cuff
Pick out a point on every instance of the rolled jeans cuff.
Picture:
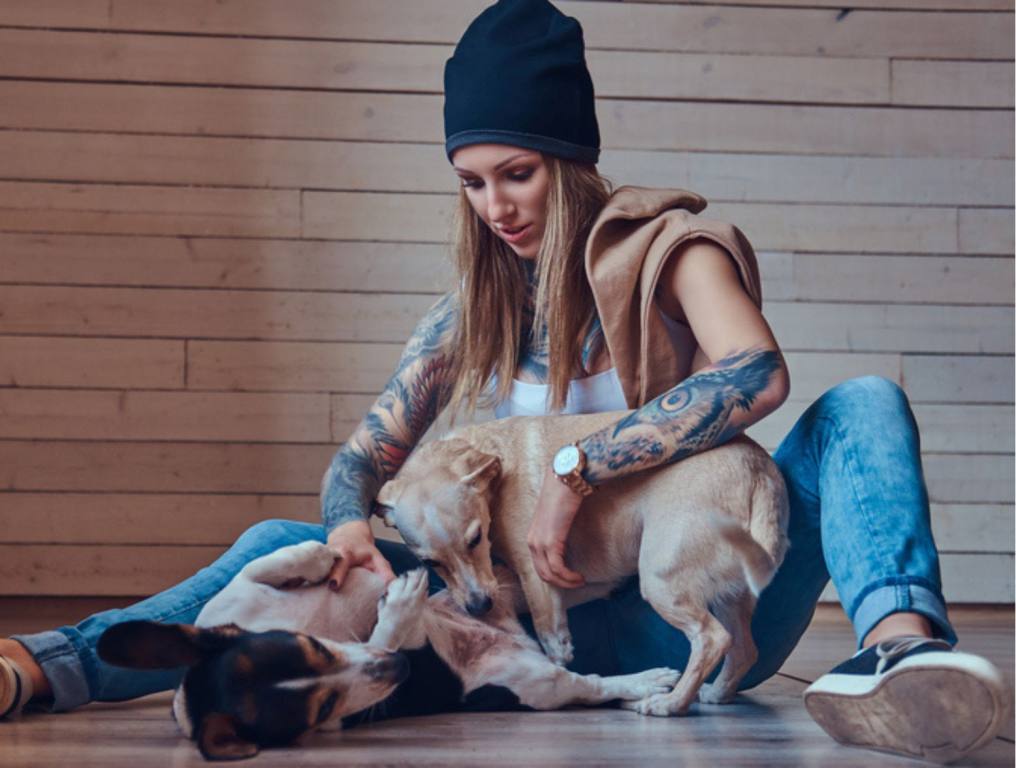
(906, 596)
(61, 663)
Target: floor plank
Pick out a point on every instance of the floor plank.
(766, 727)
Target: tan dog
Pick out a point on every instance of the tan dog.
(705, 536)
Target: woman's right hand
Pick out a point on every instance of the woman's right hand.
(353, 545)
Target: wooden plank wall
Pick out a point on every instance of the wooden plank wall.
(220, 218)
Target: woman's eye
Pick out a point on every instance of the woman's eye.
(430, 563)
(516, 176)
(475, 541)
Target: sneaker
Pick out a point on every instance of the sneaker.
(911, 696)
(15, 689)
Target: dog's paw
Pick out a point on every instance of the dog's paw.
(406, 593)
(710, 694)
(308, 563)
(558, 647)
(399, 612)
(652, 682)
(296, 565)
(319, 562)
(658, 705)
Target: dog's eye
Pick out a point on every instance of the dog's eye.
(431, 563)
(327, 706)
(317, 646)
(475, 541)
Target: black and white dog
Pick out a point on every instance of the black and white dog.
(277, 653)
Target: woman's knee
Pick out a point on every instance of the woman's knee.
(867, 394)
(268, 535)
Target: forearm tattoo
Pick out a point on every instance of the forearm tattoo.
(704, 410)
(405, 409)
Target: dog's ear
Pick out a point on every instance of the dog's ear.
(150, 645)
(384, 504)
(481, 469)
(218, 739)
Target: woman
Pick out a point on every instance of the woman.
(541, 245)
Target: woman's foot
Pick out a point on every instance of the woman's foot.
(15, 689)
(911, 696)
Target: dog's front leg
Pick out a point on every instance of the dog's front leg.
(542, 685)
(550, 619)
(400, 613)
(308, 562)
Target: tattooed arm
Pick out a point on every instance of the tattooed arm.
(408, 405)
(706, 409)
(699, 285)
(747, 380)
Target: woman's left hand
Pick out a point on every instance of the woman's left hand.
(548, 533)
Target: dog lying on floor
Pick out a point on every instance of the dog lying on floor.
(705, 535)
(296, 663)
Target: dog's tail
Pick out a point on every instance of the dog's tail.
(759, 566)
(764, 544)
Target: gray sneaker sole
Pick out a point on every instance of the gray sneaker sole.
(926, 712)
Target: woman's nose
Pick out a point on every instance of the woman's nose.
(499, 207)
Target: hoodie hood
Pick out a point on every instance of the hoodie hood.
(629, 243)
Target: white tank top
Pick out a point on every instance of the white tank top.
(591, 394)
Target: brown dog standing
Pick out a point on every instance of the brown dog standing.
(705, 535)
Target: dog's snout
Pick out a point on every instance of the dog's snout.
(392, 667)
(479, 604)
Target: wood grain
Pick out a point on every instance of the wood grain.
(370, 166)
(220, 220)
(250, 468)
(738, 127)
(196, 262)
(69, 362)
(397, 67)
(765, 726)
(664, 27)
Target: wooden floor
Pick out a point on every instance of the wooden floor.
(766, 727)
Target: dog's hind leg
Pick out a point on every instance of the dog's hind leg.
(709, 642)
(735, 615)
(308, 562)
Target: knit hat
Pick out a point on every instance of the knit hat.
(518, 76)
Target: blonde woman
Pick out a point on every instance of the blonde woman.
(575, 297)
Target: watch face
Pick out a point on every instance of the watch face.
(566, 460)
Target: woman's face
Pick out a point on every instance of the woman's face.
(507, 186)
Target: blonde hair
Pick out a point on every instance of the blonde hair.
(492, 289)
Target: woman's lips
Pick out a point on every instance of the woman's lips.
(518, 236)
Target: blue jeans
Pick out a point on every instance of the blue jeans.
(858, 513)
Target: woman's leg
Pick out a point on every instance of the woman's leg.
(858, 450)
(67, 655)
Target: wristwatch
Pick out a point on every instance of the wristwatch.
(568, 464)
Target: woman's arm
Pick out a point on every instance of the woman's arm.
(746, 380)
(405, 409)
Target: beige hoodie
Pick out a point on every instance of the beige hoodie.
(627, 247)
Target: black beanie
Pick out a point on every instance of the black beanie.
(518, 76)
